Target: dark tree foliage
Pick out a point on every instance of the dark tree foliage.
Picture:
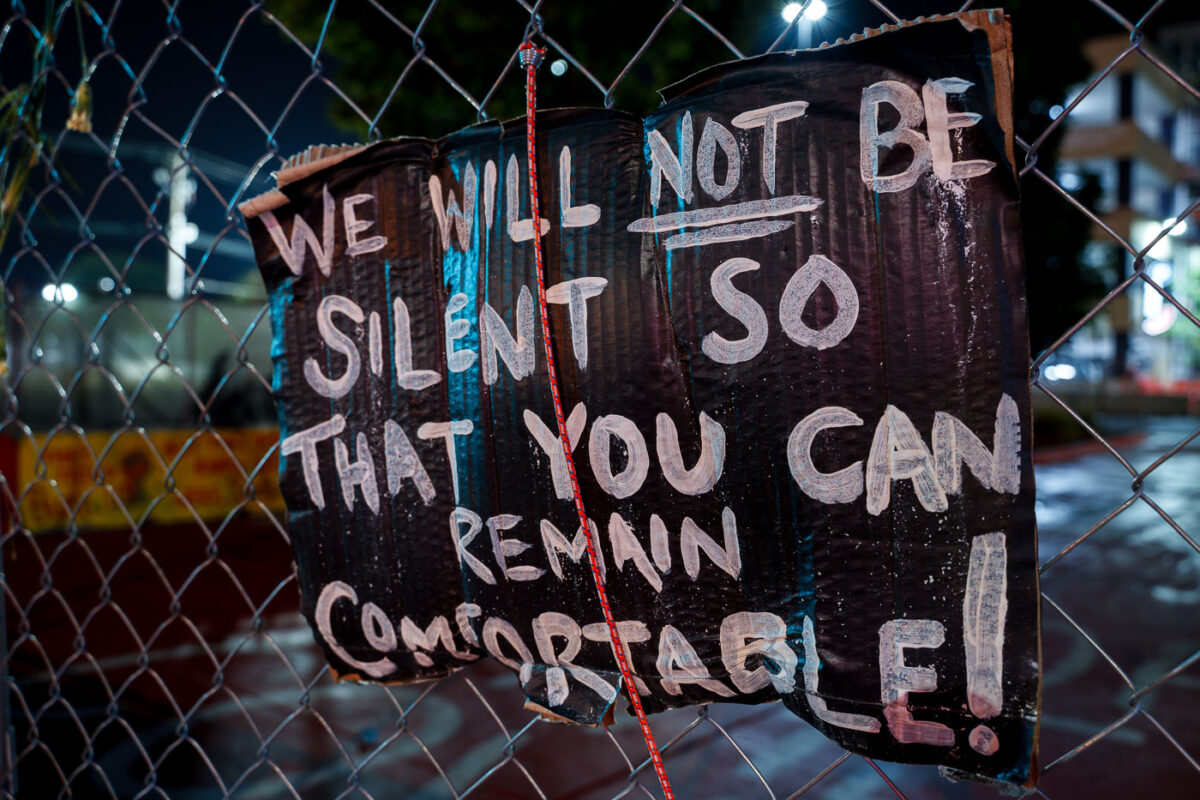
(472, 42)
(366, 53)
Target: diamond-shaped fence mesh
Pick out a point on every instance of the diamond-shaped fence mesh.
(154, 646)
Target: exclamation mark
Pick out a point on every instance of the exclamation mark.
(984, 609)
(375, 342)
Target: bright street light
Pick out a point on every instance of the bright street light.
(816, 9)
(67, 293)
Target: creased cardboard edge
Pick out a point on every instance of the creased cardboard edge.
(607, 720)
(1006, 788)
(999, 33)
(268, 201)
(308, 162)
(355, 677)
(987, 19)
(315, 159)
(971, 20)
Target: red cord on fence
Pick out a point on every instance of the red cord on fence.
(531, 58)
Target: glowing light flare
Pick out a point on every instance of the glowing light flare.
(1060, 372)
(65, 293)
(814, 11)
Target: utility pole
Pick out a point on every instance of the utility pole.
(181, 191)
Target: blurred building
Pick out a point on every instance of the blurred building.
(1135, 137)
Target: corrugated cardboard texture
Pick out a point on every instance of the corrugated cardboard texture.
(789, 320)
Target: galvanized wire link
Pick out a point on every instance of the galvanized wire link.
(162, 653)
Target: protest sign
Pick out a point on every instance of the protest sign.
(789, 321)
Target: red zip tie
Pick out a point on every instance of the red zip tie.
(531, 57)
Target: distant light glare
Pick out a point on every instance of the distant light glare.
(816, 9)
(1180, 227)
(1056, 111)
(1071, 181)
(67, 293)
(1159, 315)
(1161, 272)
(1160, 323)
(558, 67)
(1060, 372)
(107, 284)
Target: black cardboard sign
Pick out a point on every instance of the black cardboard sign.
(789, 320)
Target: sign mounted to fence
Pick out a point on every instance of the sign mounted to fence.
(789, 317)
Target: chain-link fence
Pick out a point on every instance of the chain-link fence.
(154, 646)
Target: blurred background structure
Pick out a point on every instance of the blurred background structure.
(153, 645)
(1136, 135)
